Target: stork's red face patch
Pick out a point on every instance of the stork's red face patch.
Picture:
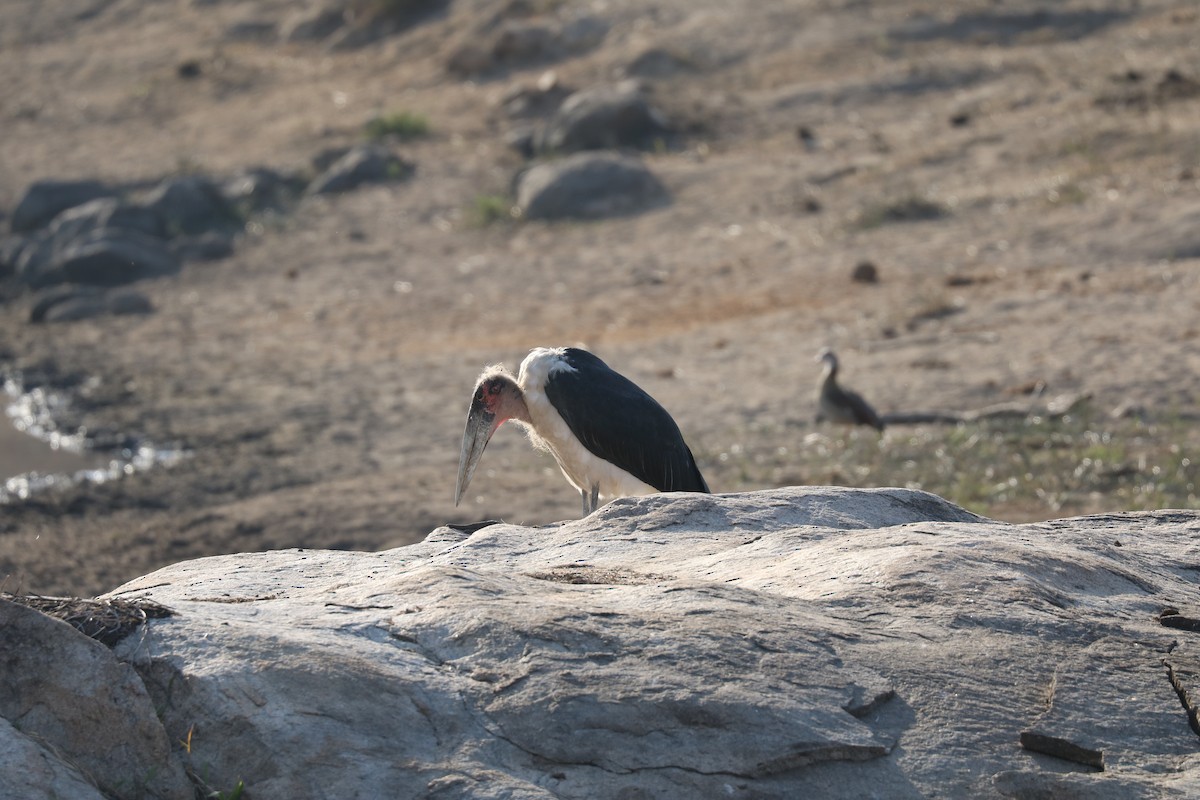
(489, 393)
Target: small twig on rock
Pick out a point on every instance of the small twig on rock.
(1185, 697)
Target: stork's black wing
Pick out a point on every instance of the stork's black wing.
(620, 423)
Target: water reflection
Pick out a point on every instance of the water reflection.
(36, 455)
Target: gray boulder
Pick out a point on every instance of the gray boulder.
(312, 24)
(105, 257)
(603, 117)
(588, 186)
(45, 200)
(260, 189)
(369, 163)
(10, 251)
(252, 30)
(803, 642)
(66, 700)
(29, 769)
(504, 40)
(108, 212)
(524, 41)
(583, 32)
(529, 102)
(193, 205)
(73, 303)
(657, 62)
(103, 242)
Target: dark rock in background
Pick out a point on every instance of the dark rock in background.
(111, 257)
(72, 303)
(192, 205)
(588, 185)
(603, 117)
(363, 164)
(44, 200)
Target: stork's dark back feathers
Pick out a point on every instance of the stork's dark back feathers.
(618, 422)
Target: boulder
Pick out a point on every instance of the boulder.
(800, 642)
(193, 205)
(603, 117)
(68, 303)
(260, 189)
(28, 769)
(108, 212)
(105, 257)
(45, 200)
(518, 40)
(10, 251)
(537, 101)
(261, 31)
(312, 24)
(70, 698)
(369, 163)
(588, 185)
(524, 41)
(583, 32)
(106, 229)
(657, 62)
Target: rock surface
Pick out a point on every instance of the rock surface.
(804, 642)
(84, 708)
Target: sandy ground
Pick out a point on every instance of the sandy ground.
(320, 376)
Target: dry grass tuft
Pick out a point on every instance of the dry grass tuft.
(106, 621)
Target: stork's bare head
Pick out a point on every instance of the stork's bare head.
(828, 357)
(497, 398)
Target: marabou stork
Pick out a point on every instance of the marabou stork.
(609, 437)
(839, 405)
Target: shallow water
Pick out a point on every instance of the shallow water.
(21, 453)
(35, 455)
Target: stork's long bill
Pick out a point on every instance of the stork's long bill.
(480, 427)
(496, 400)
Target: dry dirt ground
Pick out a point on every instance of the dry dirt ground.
(320, 376)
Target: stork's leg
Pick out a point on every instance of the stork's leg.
(590, 499)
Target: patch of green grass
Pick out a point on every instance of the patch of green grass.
(1011, 469)
(399, 124)
(487, 209)
(233, 794)
(1067, 194)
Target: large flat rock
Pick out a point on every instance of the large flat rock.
(805, 642)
